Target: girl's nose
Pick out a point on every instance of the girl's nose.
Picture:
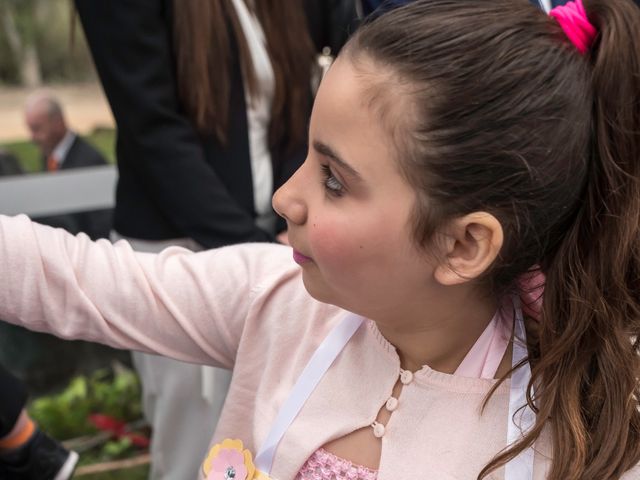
(289, 203)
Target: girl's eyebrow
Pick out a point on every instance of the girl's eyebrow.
(327, 151)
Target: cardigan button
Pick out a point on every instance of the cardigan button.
(406, 377)
(378, 429)
(391, 404)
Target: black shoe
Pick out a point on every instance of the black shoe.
(42, 458)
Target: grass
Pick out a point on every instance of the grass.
(29, 156)
(105, 141)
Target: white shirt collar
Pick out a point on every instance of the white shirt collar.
(62, 149)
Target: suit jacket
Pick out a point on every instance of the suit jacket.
(174, 183)
(95, 223)
(81, 154)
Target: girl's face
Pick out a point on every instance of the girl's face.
(348, 207)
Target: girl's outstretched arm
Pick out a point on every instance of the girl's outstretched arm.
(189, 306)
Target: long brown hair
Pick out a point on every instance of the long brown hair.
(502, 114)
(204, 32)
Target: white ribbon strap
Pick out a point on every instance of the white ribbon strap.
(319, 363)
(520, 419)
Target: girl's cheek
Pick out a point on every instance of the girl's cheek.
(330, 245)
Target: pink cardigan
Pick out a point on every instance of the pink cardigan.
(245, 308)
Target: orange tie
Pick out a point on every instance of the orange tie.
(52, 164)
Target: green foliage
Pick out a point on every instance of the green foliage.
(64, 415)
(27, 154)
(104, 139)
(115, 393)
(117, 448)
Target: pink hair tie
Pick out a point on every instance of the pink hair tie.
(572, 17)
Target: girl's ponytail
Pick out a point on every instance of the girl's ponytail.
(589, 358)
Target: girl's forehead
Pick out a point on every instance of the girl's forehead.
(349, 120)
(362, 79)
(358, 102)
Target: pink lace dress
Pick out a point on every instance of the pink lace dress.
(323, 465)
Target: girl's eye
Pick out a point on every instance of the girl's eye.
(331, 184)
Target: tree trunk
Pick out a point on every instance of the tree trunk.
(23, 52)
(30, 73)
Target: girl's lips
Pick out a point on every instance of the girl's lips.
(300, 258)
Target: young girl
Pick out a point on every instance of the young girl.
(459, 152)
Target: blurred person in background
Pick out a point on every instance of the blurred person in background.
(211, 100)
(62, 149)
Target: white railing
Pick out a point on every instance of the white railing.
(65, 191)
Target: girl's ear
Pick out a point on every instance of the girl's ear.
(471, 244)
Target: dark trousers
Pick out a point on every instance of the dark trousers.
(13, 397)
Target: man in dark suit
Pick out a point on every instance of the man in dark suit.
(62, 149)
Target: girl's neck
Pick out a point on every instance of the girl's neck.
(441, 333)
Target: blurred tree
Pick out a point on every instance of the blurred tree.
(35, 43)
(18, 23)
